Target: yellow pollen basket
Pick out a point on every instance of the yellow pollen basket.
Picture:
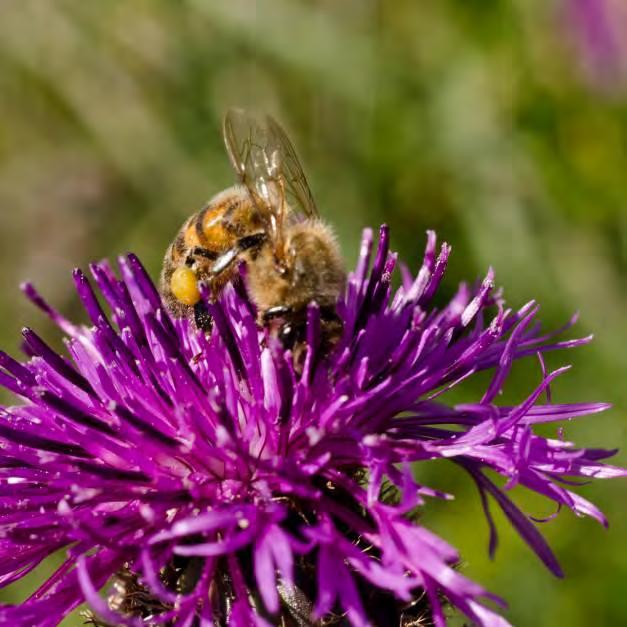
(184, 286)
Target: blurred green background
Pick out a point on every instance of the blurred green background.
(498, 123)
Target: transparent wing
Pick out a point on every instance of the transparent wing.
(299, 195)
(266, 162)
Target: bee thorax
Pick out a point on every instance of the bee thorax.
(311, 270)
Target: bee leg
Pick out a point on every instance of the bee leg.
(251, 241)
(202, 317)
(275, 312)
(245, 243)
(224, 261)
(199, 251)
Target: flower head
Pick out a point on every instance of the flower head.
(211, 482)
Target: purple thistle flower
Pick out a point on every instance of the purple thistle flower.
(217, 485)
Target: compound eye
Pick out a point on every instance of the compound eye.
(184, 286)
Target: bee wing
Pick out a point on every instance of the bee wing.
(266, 162)
(299, 195)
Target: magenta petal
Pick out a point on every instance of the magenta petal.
(265, 573)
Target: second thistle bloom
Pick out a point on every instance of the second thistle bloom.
(216, 484)
(598, 29)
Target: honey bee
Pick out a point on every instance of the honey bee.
(270, 222)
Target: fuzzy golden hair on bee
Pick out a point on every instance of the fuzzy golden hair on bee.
(313, 270)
